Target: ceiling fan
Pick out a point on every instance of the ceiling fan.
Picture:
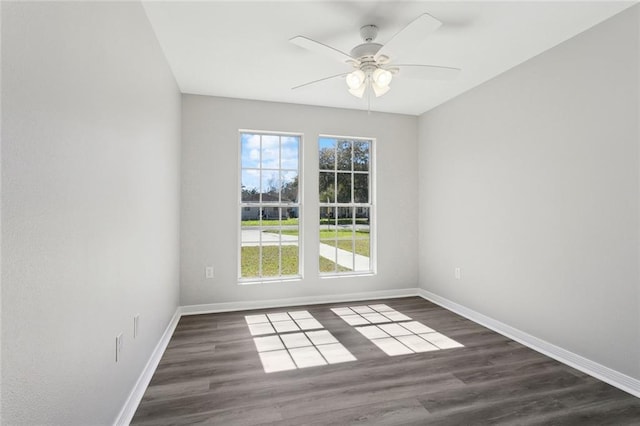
(371, 61)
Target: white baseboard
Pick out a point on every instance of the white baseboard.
(599, 371)
(296, 301)
(135, 396)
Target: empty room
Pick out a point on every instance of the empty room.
(323, 213)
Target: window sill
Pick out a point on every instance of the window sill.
(348, 275)
(253, 281)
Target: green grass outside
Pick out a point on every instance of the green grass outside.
(343, 240)
(362, 246)
(270, 256)
(328, 266)
(270, 262)
(342, 234)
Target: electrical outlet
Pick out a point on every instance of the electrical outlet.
(208, 272)
(458, 273)
(136, 325)
(118, 346)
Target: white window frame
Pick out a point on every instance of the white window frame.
(242, 205)
(371, 206)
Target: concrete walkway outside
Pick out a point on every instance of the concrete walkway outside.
(251, 236)
(345, 258)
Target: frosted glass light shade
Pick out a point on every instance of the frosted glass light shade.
(359, 91)
(382, 77)
(379, 90)
(355, 79)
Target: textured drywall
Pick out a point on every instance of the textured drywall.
(529, 184)
(0, 216)
(90, 214)
(210, 190)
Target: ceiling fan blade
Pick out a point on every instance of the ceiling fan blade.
(319, 80)
(416, 30)
(316, 46)
(427, 72)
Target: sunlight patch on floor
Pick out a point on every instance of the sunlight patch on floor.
(290, 340)
(392, 331)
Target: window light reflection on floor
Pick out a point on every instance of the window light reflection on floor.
(393, 332)
(290, 340)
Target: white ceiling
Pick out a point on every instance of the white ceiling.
(240, 49)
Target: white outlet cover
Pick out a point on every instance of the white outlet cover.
(209, 271)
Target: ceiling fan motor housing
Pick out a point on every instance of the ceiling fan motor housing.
(368, 33)
(365, 50)
(368, 48)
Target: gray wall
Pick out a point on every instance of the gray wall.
(1, 96)
(209, 196)
(529, 184)
(90, 215)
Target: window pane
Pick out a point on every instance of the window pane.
(270, 260)
(251, 231)
(290, 146)
(327, 188)
(326, 265)
(251, 185)
(361, 155)
(250, 150)
(345, 216)
(289, 190)
(345, 259)
(344, 156)
(327, 223)
(270, 152)
(270, 185)
(327, 154)
(290, 214)
(362, 263)
(250, 261)
(290, 260)
(333, 257)
(360, 188)
(344, 188)
(270, 217)
(362, 240)
(289, 231)
(362, 218)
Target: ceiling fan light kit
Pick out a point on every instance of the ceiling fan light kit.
(358, 92)
(372, 61)
(379, 90)
(355, 79)
(382, 77)
(378, 80)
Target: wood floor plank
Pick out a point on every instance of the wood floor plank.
(388, 413)
(211, 373)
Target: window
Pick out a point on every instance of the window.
(346, 205)
(269, 206)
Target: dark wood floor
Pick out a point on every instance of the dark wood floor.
(212, 374)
